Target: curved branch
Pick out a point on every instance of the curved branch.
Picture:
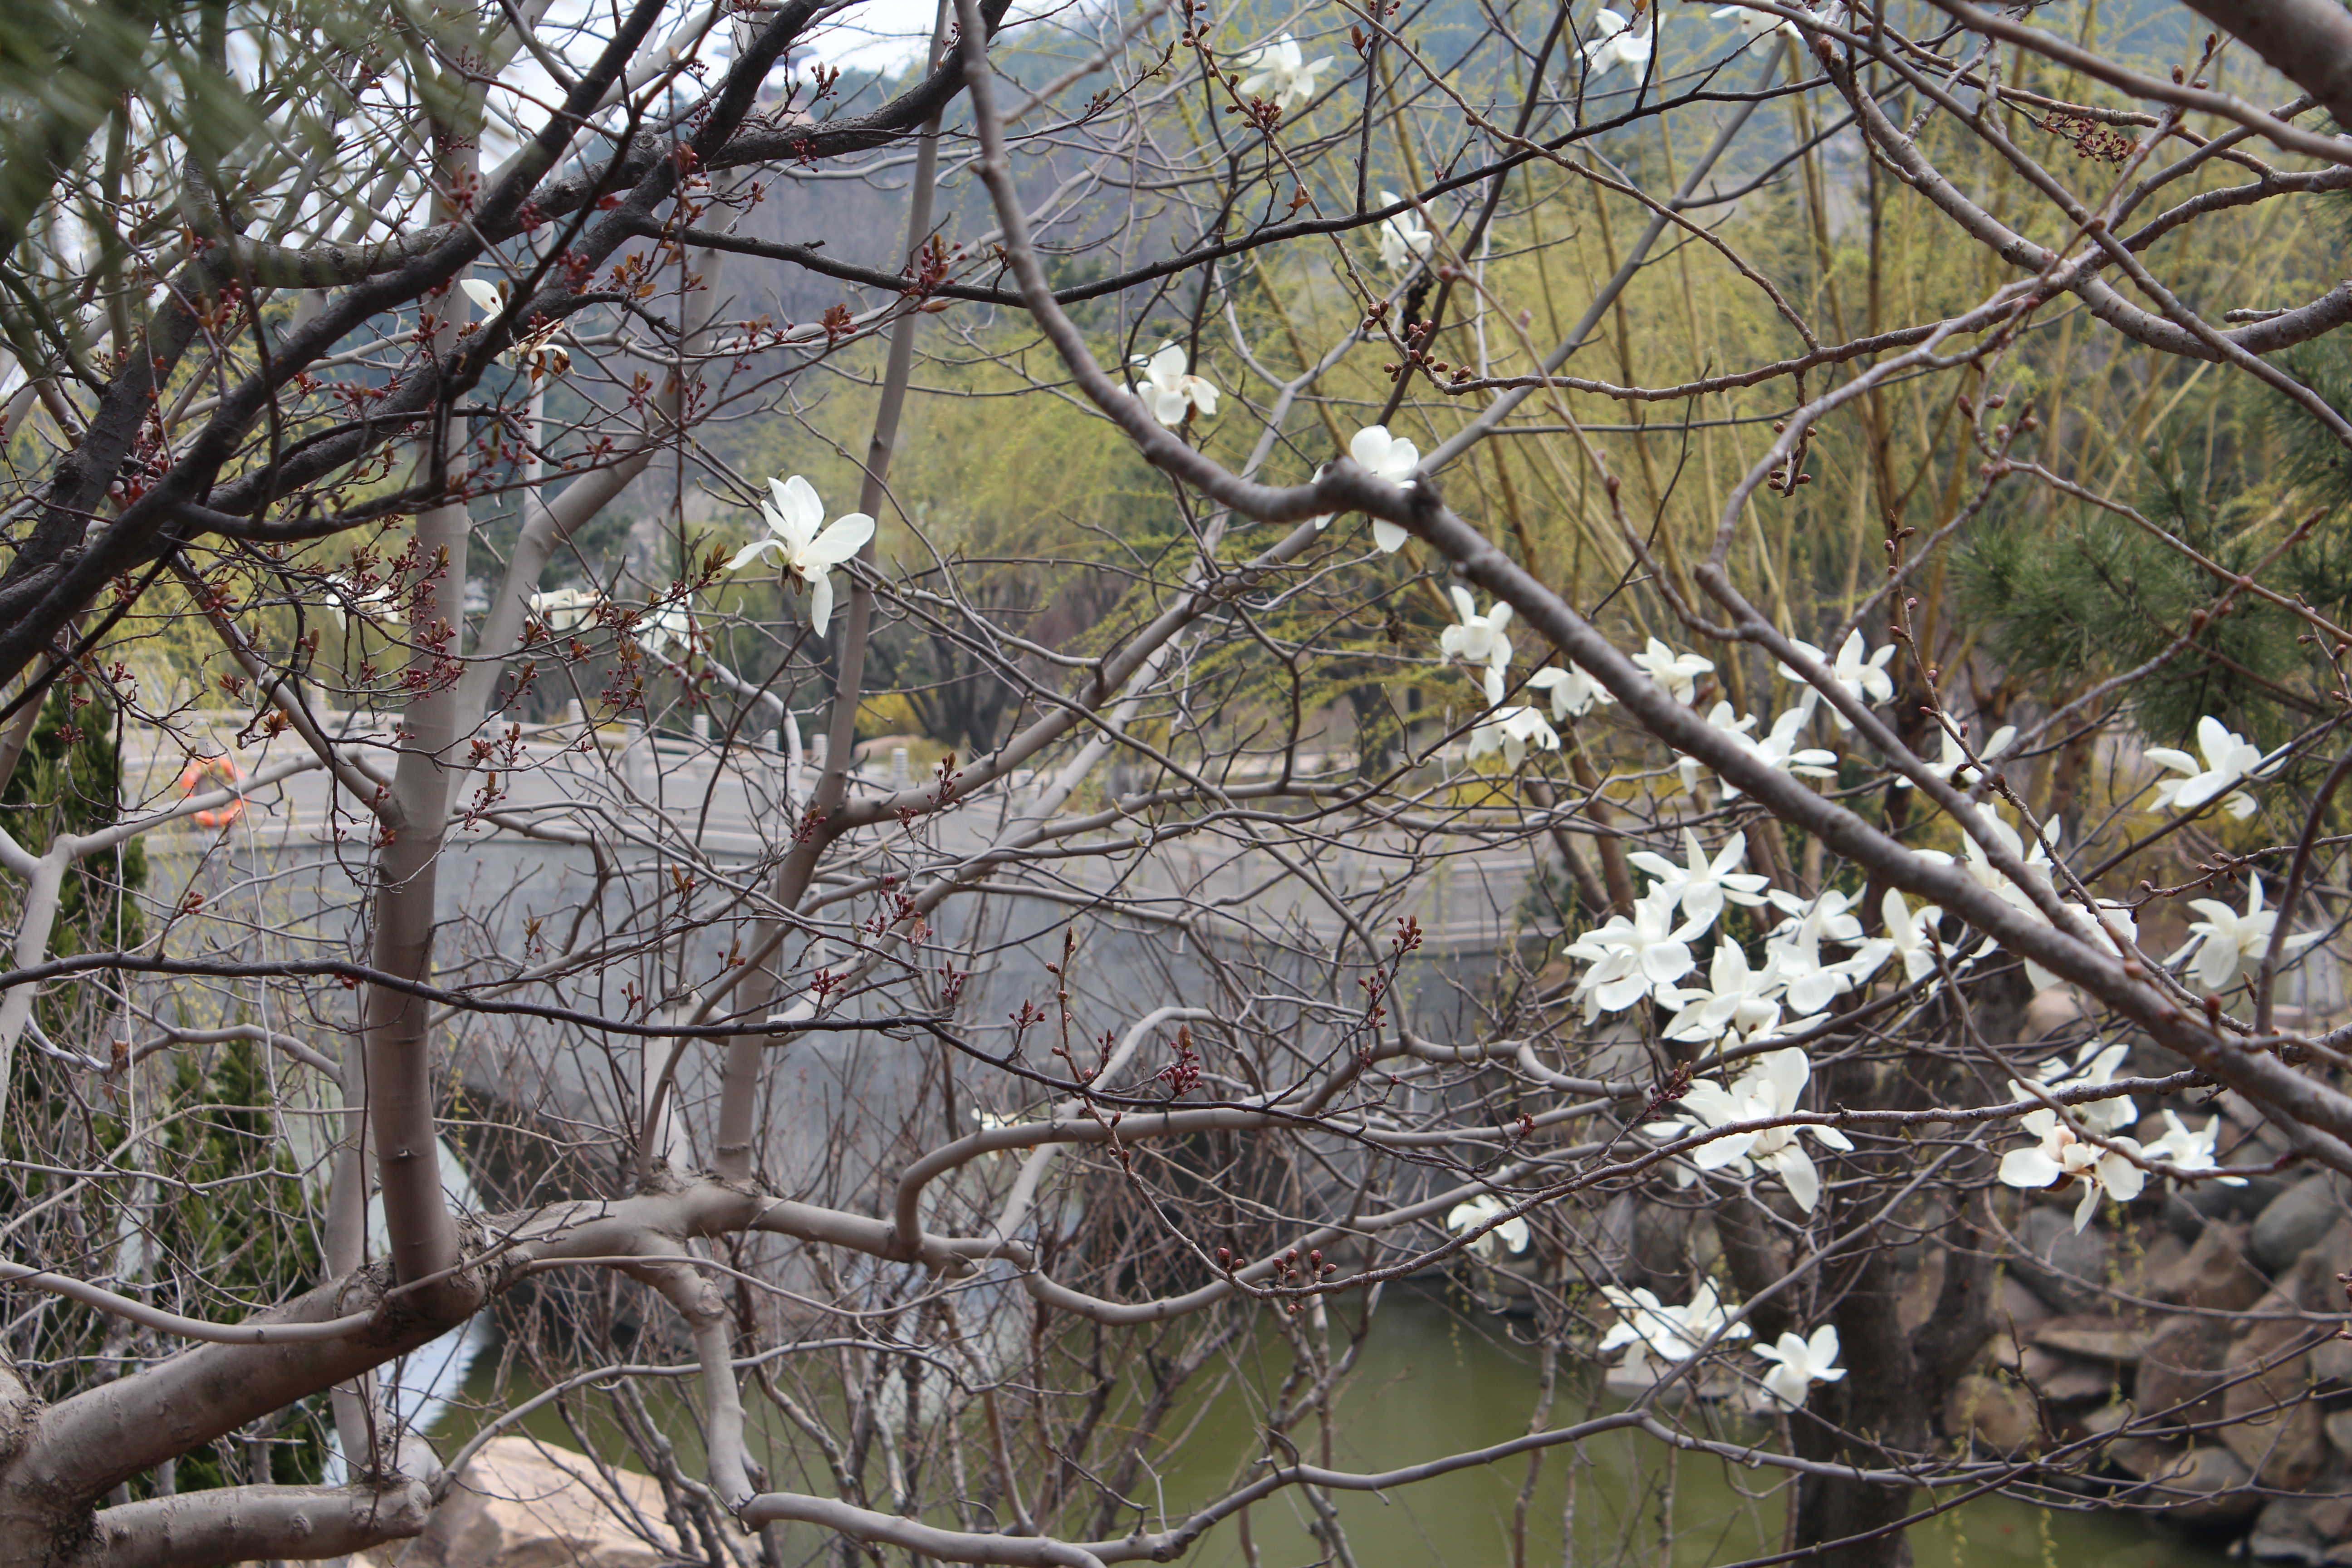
(265, 1330)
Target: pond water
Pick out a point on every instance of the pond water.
(1431, 1381)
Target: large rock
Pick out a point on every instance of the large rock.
(2092, 1338)
(525, 1504)
(2181, 1370)
(2339, 1432)
(1998, 1414)
(1657, 1244)
(2216, 1274)
(2273, 1419)
(2143, 1457)
(2063, 1266)
(2206, 1486)
(2286, 1451)
(2013, 1317)
(2189, 1210)
(2294, 1220)
(2316, 1530)
(2052, 1010)
(2063, 1379)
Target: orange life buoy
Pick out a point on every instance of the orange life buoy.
(204, 773)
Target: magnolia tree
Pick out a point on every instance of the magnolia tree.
(481, 479)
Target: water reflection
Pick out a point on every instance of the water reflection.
(1433, 1380)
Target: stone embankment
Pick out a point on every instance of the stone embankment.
(2195, 1316)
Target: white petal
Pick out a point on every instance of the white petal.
(1796, 1173)
(820, 604)
(836, 544)
(2087, 1207)
(1787, 1071)
(2028, 1167)
(752, 552)
(2216, 963)
(2122, 1179)
(797, 504)
(2213, 738)
(1388, 536)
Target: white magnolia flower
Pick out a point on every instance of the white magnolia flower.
(487, 297)
(2061, 1155)
(1868, 958)
(1813, 982)
(1573, 692)
(538, 352)
(1737, 1000)
(1511, 729)
(1861, 674)
(2191, 1149)
(1700, 884)
(664, 628)
(1910, 931)
(2230, 759)
(1281, 73)
(1615, 42)
(1478, 639)
(1511, 1235)
(1779, 750)
(793, 514)
(1954, 762)
(1631, 956)
(346, 598)
(1773, 1086)
(1980, 869)
(1403, 239)
(2110, 925)
(1383, 457)
(1677, 672)
(2229, 945)
(1170, 390)
(1802, 1363)
(1654, 1331)
(1828, 916)
(1687, 767)
(1756, 24)
(566, 610)
(2091, 927)
(2094, 1067)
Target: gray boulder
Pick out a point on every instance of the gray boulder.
(2216, 1274)
(2181, 1370)
(2315, 1530)
(2062, 1266)
(2187, 1211)
(2205, 1487)
(2294, 1220)
(1998, 1416)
